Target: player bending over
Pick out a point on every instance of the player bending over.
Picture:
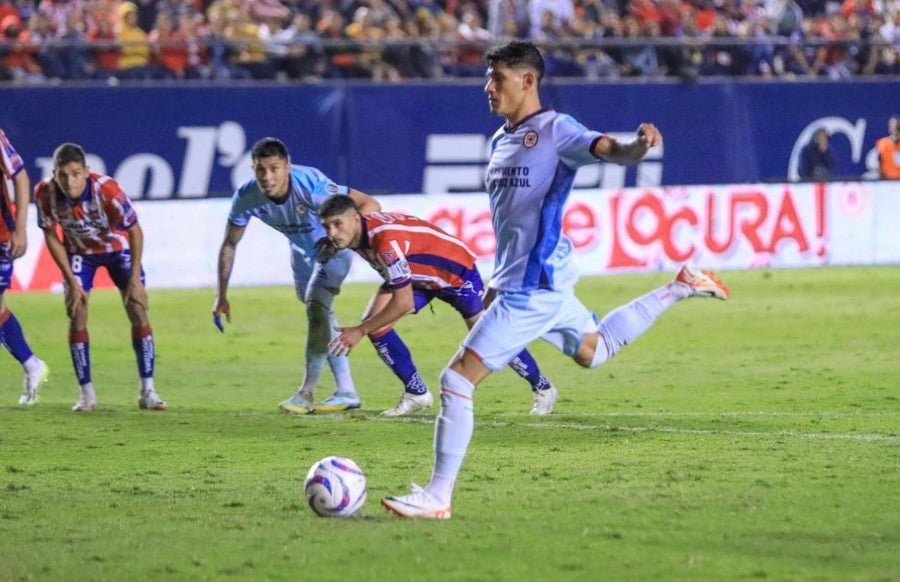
(419, 262)
(99, 230)
(287, 197)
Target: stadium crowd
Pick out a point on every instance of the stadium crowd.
(393, 40)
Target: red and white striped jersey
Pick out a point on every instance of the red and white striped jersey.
(408, 250)
(93, 224)
(10, 165)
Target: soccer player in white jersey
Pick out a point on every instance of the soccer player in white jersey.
(14, 195)
(287, 197)
(534, 157)
(99, 229)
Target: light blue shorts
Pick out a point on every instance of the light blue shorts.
(316, 281)
(514, 320)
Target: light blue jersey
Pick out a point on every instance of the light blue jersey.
(296, 217)
(529, 177)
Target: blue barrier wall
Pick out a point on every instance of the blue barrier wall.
(165, 141)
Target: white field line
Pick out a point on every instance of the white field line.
(663, 414)
(669, 429)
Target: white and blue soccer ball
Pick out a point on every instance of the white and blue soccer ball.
(335, 487)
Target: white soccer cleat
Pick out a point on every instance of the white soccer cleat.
(152, 401)
(417, 505)
(299, 403)
(31, 385)
(86, 403)
(702, 283)
(410, 403)
(544, 401)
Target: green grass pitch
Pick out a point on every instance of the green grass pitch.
(757, 438)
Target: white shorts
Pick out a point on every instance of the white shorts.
(514, 320)
(312, 278)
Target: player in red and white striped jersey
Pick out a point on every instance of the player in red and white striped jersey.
(13, 242)
(99, 229)
(418, 262)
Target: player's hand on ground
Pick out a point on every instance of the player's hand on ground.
(221, 307)
(76, 300)
(648, 135)
(342, 344)
(325, 249)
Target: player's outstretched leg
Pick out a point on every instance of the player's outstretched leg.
(393, 351)
(36, 371)
(625, 324)
(545, 393)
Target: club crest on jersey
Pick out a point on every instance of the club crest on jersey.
(388, 257)
(301, 208)
(530, 140)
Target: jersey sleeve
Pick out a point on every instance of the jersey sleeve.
(574, 141)
(119, 209)
(10, 161)
(318, 185)
(239, 214)
(389, 253)
(45, 218)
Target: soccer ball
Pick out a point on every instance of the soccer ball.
(335, 487)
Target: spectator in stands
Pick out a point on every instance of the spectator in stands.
(134, 58)
(889, 151)
(305, 57)
(76, 56)
(169, 46)
(103, 42)
(19, 57)
(817, 158)
(247, 50)
(636, 60)
(220, 49)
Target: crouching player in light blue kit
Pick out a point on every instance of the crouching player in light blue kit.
(287, 198)
(534, 157)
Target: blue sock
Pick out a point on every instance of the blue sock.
(80, 348)
(142, 342)
(526, 367)
(12, 337)
(395, 354)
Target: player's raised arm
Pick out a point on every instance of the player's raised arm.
(364, 203)
(233, 235)
(612, 150)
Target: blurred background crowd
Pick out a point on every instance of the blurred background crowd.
(394, 40)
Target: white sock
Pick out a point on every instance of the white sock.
(32, 364)
(623, 325)
(452, 433)
(146, 385)
(87, 389)
(317, 337)
(340, 366)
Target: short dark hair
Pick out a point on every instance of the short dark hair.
(67, 153)
(517, 53)
(269, 147)
(335, 205)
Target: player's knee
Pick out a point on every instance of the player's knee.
(585, 355)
